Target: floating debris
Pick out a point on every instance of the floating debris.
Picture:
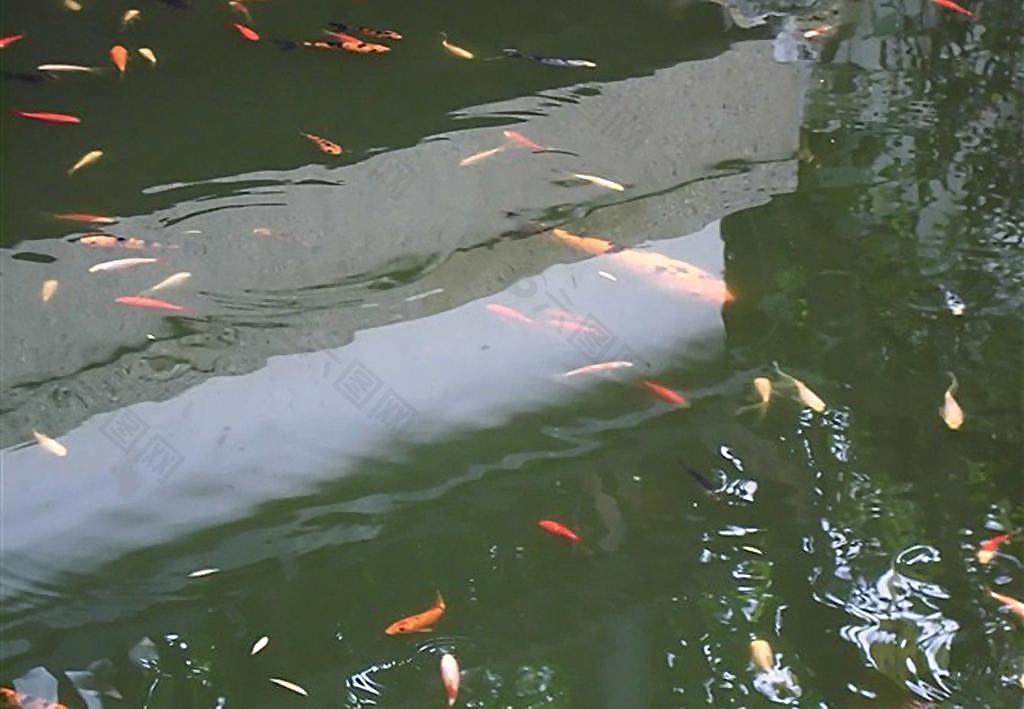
(454, 49)
(121, 264)
(762, 655)
(599, 367)
(50, 445)
(148, 54)
(950, 410)
(665, 394)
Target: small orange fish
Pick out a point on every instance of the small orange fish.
(247, 32)
(421, 622)
(241, 9)
(325, 145)
(1015, 606)
(47, 117)
(666, 394)
(86, 218)
(559, 530)
(107, 241)
(508, 313)
(119, 55)
(950, 5)
(520, 139)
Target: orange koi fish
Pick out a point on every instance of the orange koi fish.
(247, 32)
(666, 394)
(9, 40)
(520, 139)
(368, 31)
(86, 218)
(241, 9)
(421, 622)
(450, 677)
(559, 530)
(356, 45)
(950, 5)
(138, 301)
(325, 145)
(504, 311)
(119, 55)
(1015, 606)
(49, 117)
(990, 547)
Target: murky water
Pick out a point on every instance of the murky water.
(366, 402)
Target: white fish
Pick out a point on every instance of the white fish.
(176, 280)
(762, 655)
(204, 572)
(121, 263)
(599, 367)
(451, 676)
(455, 50)
(605, 274)
(68, 69)
(148, 54)
(808, 397)
(129, 17)
(599, 181)
(88, 159)
(50, 445)
(289, 686)
(482, 155)
(259, 645)
(49, 290)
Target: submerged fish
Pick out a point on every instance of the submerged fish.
(990, 547)
(121, 264)
(666, 394)
(450, 677)
(950, 410)
(10, 39)
(368, 31)
(599, 181)
(28, 76)
(454, 49)
(552, 61)
(710, 488)
(148, 54)
(108, 241)
(950, 5)
(170, 282)
(1015, 606)
(49, 290)
(129, 17)
(599, 367)
(509, 313)
(290, 686)
(804, 393)
(50, 445)
(88, 159)
(119, 55)
(87, 218)
(247, 32)
(482, 155)
(762, 655)
(45, 117)
(421, 622)
(325, 146)
(138, 301)
(559, 530)
(72, 5)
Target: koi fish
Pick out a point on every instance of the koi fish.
(87, 218)
(49, 117)
(88, 159)
(950, 5)
(804, 393)
(356, 45)
(450, 677)
(325, 145)
(421, 622)
(241, 9)
(599, 181)
(599, 367)
(950, 411)
(138, 301)
(67, 69)
(290, 686)
(200, 573)
(259, 645)
(107, 241)
(49, 290)
(454, 49)
(559, 530)
(666, 394)
(148, 54)
(509, 313)
(520, 139)
(10, 39)
(49, 445)
(817, 32)
(990, 547)
(763, 387)
(72, 5)
(170, 282)
(481, 156)
(129, 17)
(10, 699)
(551, 61)
(120, 264)
(1015, 606)
(119, 55)
(368, 31)
(247, 32)
(954, 303)
(762, 655)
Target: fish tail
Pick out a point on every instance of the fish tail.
(954, 385)
(440, 600)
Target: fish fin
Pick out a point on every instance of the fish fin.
(440, 600)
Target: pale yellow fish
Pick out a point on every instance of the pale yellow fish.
(49, 290)
(985, 556)
(259, 645)
(950, 411)
(289, 686)
(129, 17)
(762, 655)
(599, 181)
(68, 69)
(85, 161)
(204, 572)
(455, 50)
(121, 263)
(176, 280)
(50, 445)
(478, 157)
(148, 54)
(808, 397)
(599, 367)
(1015, 606)
(763, 385)
(72, 5)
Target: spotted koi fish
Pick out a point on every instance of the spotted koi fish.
(367, 31)
(326, 146)
(356, 45)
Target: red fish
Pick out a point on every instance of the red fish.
(522, 140)
(247, 32)
(950, 5)
(87, 218)
(995, 542)
(421, 622)
(139, 301)
(8, 41)
(326, 146)
(49, 117)
(666, 394)
(510, 313)
(559, 530)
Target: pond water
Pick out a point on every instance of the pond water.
(362, 398)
